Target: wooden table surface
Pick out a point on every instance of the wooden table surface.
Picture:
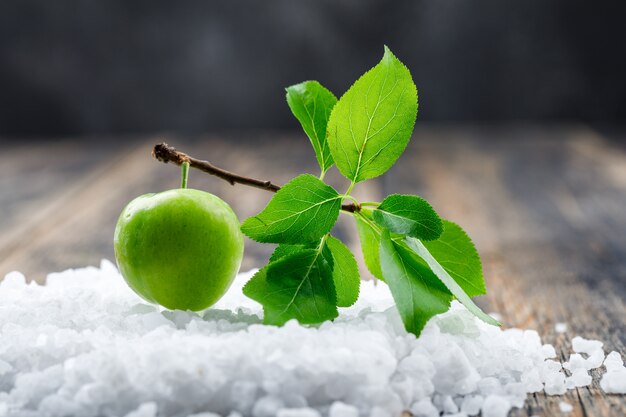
(546, 208)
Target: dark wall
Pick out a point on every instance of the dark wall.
(81, 67)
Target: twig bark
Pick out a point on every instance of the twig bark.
(166, 153)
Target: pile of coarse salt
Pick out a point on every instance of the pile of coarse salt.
(85, 345)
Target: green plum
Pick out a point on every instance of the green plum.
(179, 248)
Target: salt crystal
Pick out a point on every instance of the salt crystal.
(495, 406)
(471, 404)
(614, 381)
(588, 346)
(424, 408)
(455, 375)
(532, 340)
(417, 365)
(339, 409)
(445, 404)
(267, 406)
(613, 361)
(555, 384)
(5, 367)
(560, 327)
(42, 339)
(145, 410)
(244, 394)
(595, 359)
(579, 378)
(548, 368)
(565, 407)
(379, 412)
(490, 386)
(576, 361)
(532, 381)
(13, 281)
(548, 351)
(515, 389)
(298, 412)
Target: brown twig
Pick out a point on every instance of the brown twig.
(166, 153)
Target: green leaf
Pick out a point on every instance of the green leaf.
(311, 104)
(256, 287)
(409, 215)
(370, 243)
(297, 286)
(372, 122)
(345, 272)
(345, 269)
(285, 249)
(456, 253)
(304, 210)
(420, 249)
(416, 290)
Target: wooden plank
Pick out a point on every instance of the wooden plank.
(35, 242)
(544, 216)
(33, 176)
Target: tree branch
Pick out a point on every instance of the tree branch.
(166, 153)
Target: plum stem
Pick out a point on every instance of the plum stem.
(184, 173)
(166, 153)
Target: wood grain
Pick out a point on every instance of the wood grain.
(546, 208)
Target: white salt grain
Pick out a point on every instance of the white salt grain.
(560, 327)
(446, 404)
(380, 412)
(495, 406)
(548, 351)
(576, 361)
(471, 404)
(595, 359)
(549, 367)
(298, 412)
(424, 408)
(490, 386)
(13, 281)
(267, 406)
(532, 381)
(614, 381)
(588, 346)
(339, 409)
(145, 410)
(84, 343)
(613, 361)
(555, 384)
(565, 407)
(5, 367)
(579, 378)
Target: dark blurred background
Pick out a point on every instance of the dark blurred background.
(98, 67)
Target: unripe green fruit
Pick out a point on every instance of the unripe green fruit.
(180, 248)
